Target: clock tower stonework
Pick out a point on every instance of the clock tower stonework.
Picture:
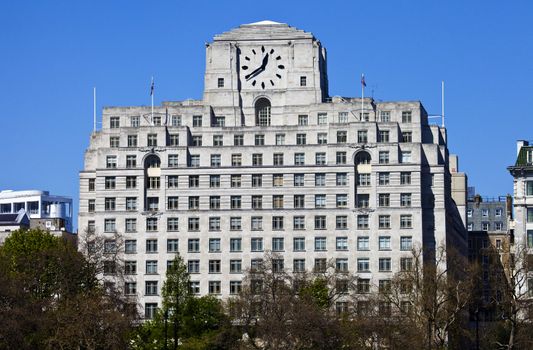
(264, 62)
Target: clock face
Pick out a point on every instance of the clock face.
(261, 67)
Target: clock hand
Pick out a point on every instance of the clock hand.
(265, 61)
(254, 73)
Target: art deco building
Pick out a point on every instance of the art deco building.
(267, 161)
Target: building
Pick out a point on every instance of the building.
(267, 161)
(45, 211)
(11, 222)
(522, 225)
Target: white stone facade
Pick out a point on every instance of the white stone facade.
(273, 162)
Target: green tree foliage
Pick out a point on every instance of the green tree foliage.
(50, 298)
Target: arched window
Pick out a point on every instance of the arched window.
(262, 112)
(362, 158)
(152, 161)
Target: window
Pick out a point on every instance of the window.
(299, 180)
(238, 140)
(172, 181)
(278, 244)
(256, 244)
(342, 137)
(277, 265)
(197, 121)
(383, 136)
(470, 226)
(235, 223)
(298, 244)
(156, 120)
(193, 266)
(114, 122)
(299, 159)
(362, 136)
(278, 159)
(530, 238)
(235, 244)
(111, 162)
(384, 264)
(194, 202)
(257, 202)
(214, 244)
(405, 178)
(110, 183)
(150, 309)
(214, 223)
(406, 243)
(320, 222)
(322, 118)
(219, 121)
(194, 287)
(407, 136)
(214, 266)
(220, 82)
(303, 81)
(298, 265)
(383, 157)
(301, 139)
(91, 186)
(320, 180)
(406, 264)
(262, 112)
(405, 157)
(498, 212)
(175, 120)
(135, 121)
(154, 183)
(363, 200)
(384, 199)
(152, 140)
(299, 201)
(322, 138)
(218, 140)
(498, 226)
(235, 287)
(214, 181)
(130, 288)
(362, 222)
(342, 179)
(130, 267)
(280, 139)
(257, 223)
(485, 226)
(364, 116)
(363, 243)
(114, 141)
(194, 181)
(151, 267)
(172, 160)
(194, 224)
(235, 266)
(257, 180)
(131, 225)
(320, 265)
(406, 117)
(384, 243)
(406, 221)
(214, 202)
(341, 243)
(172, 224)
(172, 203)
(341, 265)
(341, 157)
(151, 224)
(130, 246)
(384, 221)
(320, 244)
(151, 245)
(277, 201)
(529, 188)
(298, 222)
(343, 117)
(363, 180)
(342, 200)
(193, 245)
(405, 199)
(260, 140)
(320, 158)
(91, 205)
(257, 159)
(385, 116)
(235, 202)
(363, 264)
(131, 203)
(110, 204)
(215, 160)
(383, 179)
(277, 222)
(320, 200)
(173, 140)
(303, 120)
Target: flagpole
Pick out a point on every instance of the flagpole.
(362, 95)
(442, 102)
(152, 94)
(94, 109)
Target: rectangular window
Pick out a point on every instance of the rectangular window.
(130, 246)
(110, 183)
(322, 118)
(322, 138)
(383, 157)
(280, 139)
(406, 221)
(363, 180)
(214, 245)
(114, 141)
(173, 140)
(175, 120)
(196, 121)
(151, 245)
(257, 223)
(343, 117)
(277, 201)
(406, 243)
(257, 202)
(214, 223)
(342, 179)
(277, 223)
(320, 244)
(193, 245)
(151, 267)
(278, 244)
(172, 181)
(299, 222)
(341, 157)
(131, 203)
(384, 221)
(405, 199)
(214, 181)
(298, 244)
(385, 116)
(238, 140)
(135, 121)
(320, 222)
(130, 267)
(407, 136)
(298, 265)
(342, 200)
(529, 188)
(110, 204)
(219, 121)
(363, 243)
(151, 140)
(257, 159)
(91, 205)
(235, 223)
(405, 157)
(341, 243)
(301, 139)
(384, 200)
(320, 200)
(111, 162)
(91, 186)
(405, 178)
(341, 222)
(342, 137)
(114, 122)
(214, 202)
(215, 160)
(363, 264)
(362, 136)
(362, 222)
(320, 180)
(132, 140)
(406, 117)
(341, 265)
(154, 183)
(320, 158)
(194, 202)
(172, 224)
(194, 181)
(220, 82)
(151, 288)
(299, 201)
(172, 160)
(257, 180)
(156, 120)
(131, 225)
(383, 179)
(303, 119)
(235, 202)
(172, 203)
(193, 266)
(384, 243)
(235, 266)
(320, 265)
(303, 81)
(299, 180)
(151, 224)
(363, 200)
(194, 224)
(256, 244)
(218, 140)
(260, 140)
(384, 264)
(299, 158)
(383, 136)
(529, 218)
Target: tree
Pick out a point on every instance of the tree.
(50, 297)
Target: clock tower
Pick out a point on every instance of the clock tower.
(265, 64)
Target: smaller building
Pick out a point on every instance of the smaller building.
(11, 222)
(488, 214)
(45, 211)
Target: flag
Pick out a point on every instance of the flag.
(363, 83)
(152, 87)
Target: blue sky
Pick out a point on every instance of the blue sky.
(53, 53)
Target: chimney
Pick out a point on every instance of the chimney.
(509, 206)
